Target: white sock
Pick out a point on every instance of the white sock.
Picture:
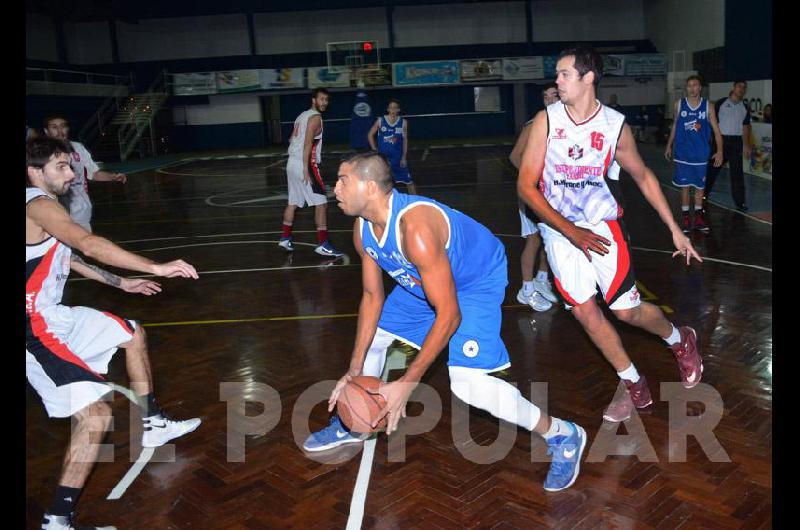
(527, 287)
(629, 374)
(541, 276)
(557, 427)
(685, 209)
(499, 398)
(675, 338)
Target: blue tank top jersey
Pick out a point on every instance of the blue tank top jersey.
(390, 138)
(476, 256)
(692, 133)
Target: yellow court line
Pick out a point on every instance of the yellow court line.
(267, 319)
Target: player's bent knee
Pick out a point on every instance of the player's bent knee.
(96, 415)
(629, 316)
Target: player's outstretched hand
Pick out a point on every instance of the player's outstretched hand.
(396, 395)
(684, 247)
(587, 240)
(340, 384)
(175, 268)
(146, 287)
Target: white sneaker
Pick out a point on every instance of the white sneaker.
(535, 300)
(545, 289)
(160, 429)
(64, 522)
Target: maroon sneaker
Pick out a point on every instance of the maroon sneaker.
(689, 361)
(636, 394)
(700, 221)
(686, 223)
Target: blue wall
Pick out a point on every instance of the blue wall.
(748, 40)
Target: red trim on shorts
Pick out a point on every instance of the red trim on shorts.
(38, 324)
(623, 259)
(312, 165)
(564, 293)
(122, 322)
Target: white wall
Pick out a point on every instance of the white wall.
(631, 92)
(40, 38)
(307, 31)
(183, 38)
(688, 25)
(452, 24)
(88, 42)
(230, 108)
(579, 20)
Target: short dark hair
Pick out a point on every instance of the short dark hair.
(318, 91)
(740, 81)
(39, 151)
(548, 86)
(393, 100)
(55, 116)
(694, 77)
(372, 165)
(586, 60)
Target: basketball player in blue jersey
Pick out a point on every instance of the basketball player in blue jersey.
(392, 133)
(695, 120)
(569, 180)
(452, 274)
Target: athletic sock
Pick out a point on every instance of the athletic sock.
(685, 209)
(629, 374)
(322, 235)
(287, 230)
(558, 427)
(541, 276)
(152, 408)
(64, 500)
(674, 338)
(527, 288)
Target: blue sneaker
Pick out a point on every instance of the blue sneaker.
(566, 463)
(331, 436)
(286, 242)
(326, 249)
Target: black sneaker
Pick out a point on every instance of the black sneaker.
(742, 207)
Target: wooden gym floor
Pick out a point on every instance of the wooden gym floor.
(262, 319)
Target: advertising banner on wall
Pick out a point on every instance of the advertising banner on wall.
(760, 162)
(523, 68)
(374, 76)
(282, 78)
(645, 64)
(614, 64)
(481, 70)
(322, 77)
(426, 73)
(194, 84)
(237, 81)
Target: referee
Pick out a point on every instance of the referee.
(734, 124)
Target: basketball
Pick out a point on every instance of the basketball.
(358, 406)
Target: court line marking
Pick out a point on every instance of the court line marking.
(425, 154)
(357, 501)
(144, 457)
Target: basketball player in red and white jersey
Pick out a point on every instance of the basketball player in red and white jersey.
(85, 169)
(303, 175)
(569, 180)
(68, 349)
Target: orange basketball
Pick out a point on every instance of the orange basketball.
(358, 406)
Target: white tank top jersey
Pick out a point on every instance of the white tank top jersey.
(47, 266)
(580, 178)
(84, 167)
(297, 139)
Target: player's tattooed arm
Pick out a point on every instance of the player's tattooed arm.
(94, 272)
(129, 285)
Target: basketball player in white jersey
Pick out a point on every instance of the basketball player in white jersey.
(85, 169)
(303, 175)
(67, 349)
(568, 180)
(535, 291)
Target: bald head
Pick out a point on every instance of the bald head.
(372, 166)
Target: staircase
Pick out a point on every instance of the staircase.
(131, 123)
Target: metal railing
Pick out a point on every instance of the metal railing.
(55, 75)
(130, 132)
